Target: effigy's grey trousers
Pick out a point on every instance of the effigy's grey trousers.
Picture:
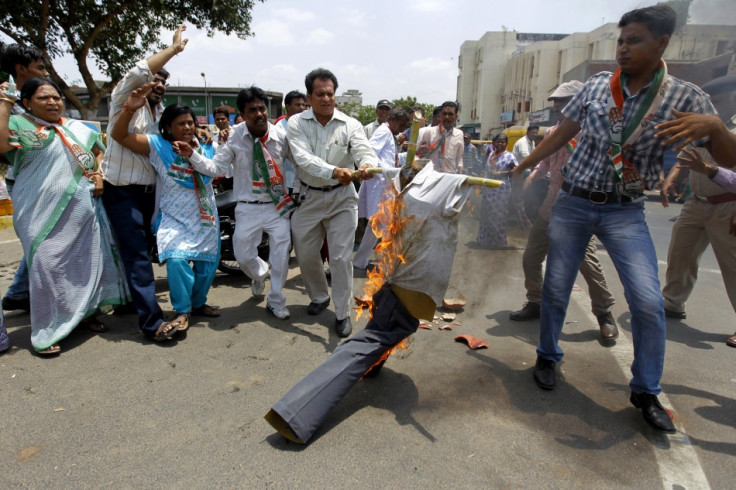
(307, 404)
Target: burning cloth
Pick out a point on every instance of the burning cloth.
(415, 283)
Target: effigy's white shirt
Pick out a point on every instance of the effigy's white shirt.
(432, 204)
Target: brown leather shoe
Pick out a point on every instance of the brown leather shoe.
(731, 341)
(609, 330)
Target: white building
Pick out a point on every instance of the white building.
(505, 77)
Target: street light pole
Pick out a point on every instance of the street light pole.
(206, 100)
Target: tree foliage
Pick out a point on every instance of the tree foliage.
(367, 113)
(112, 34)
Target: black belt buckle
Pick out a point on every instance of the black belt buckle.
(148, 189)
(593, 197)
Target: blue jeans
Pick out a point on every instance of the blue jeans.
(622, 229)
(19, 289)
(129, 209)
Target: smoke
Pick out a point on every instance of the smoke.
(717, 12)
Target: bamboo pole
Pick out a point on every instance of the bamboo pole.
(479, 181)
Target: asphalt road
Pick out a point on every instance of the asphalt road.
(114, 410)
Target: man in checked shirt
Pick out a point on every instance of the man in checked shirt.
(616, 159)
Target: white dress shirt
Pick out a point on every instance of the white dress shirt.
(236, 157)
(121, 166)
(317, 150)
(523, 148)
(452, 160)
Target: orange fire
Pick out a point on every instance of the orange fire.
(387, 224)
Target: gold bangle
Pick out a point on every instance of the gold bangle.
(7, 99)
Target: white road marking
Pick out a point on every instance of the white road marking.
(679, 465)
(17, 240)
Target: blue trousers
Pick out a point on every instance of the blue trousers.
(19, 289)
(622, 229)
(130, 209)
(188, 286)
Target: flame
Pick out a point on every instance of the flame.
(402, 345)
(387, 224)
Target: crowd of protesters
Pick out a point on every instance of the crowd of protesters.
(88, 215)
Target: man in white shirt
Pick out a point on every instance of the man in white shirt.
(525, 145)
(222, 122)
(254, 155)
(382, 110)
(373, 191)
(325, 143)
(130, 184)
(443, 144)
(294, 103)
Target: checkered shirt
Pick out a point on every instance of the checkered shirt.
(590, 167)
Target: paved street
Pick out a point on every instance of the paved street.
(114, 410)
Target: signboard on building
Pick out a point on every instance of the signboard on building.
(538, 117)
(507, 117)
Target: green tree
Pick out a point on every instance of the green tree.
(363, 113)
(410, 102)
(112, 34)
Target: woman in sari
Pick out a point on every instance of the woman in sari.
(62, 226)
(494, 209)
(186, 224)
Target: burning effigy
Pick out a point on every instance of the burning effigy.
(418, 228)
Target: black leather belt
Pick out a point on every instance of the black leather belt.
(257, 202)
(146, 189)
(325, 188)
(719, 199)
(597, 197)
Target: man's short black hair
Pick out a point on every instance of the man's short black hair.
(221, 110)
(451, 103)
(436, 111)
(322, 74)
(164, 73)
(399, 113)
(659, 19)
(294, 94)
(249, 95)
(532, 126)
(17, 54)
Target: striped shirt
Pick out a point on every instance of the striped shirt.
(120, 165)
(590, 167)
(318, 149)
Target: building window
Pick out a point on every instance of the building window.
(527, 105)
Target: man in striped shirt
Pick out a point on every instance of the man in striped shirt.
(129, 195)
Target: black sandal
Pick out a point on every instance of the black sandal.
(164, 332)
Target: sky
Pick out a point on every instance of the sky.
(386, 49)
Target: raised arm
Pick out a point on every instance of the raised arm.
(158, 60)
(567, 130)
(137, 143)
(6, 108)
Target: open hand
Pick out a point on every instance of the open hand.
(137, 98)
(694, 161)
(686, 128)
(179, 43)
